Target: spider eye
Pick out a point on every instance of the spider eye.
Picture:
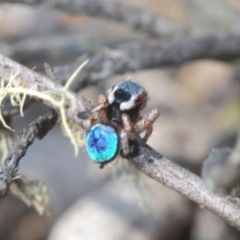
(102, 143)
(121, 96)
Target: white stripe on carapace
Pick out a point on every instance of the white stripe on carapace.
(134, 89)
(129, 104)
(111, 96)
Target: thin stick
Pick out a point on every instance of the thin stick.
(37, 128)
(183, 181)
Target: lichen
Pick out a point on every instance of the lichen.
(58, 100)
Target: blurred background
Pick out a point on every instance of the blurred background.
(199, 103)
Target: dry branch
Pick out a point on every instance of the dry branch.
(147, 54)
(36, 129)
(183, 181)
(134, 17)
(147, 160)
(29, 79)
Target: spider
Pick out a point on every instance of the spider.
(116, 121)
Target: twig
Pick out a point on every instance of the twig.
(36, 129)
(151, 54)
(147, 160)
(134, 17)
(55, 49)
(188, 184)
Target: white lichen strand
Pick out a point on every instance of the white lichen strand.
(18, 95)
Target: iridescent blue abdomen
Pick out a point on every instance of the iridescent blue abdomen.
(102, 143)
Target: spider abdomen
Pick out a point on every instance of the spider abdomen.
(102, 143)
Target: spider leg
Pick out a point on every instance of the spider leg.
(88, 122)
(103, 103)
(103, 99)
(124, 142)
(146, 123)
(97, 114)
(132, 135)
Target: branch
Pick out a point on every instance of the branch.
(136, 18)
(29, 79)
(188, 184)
(56, 49)
(151, 54)
(147, 160)
(36, 129)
